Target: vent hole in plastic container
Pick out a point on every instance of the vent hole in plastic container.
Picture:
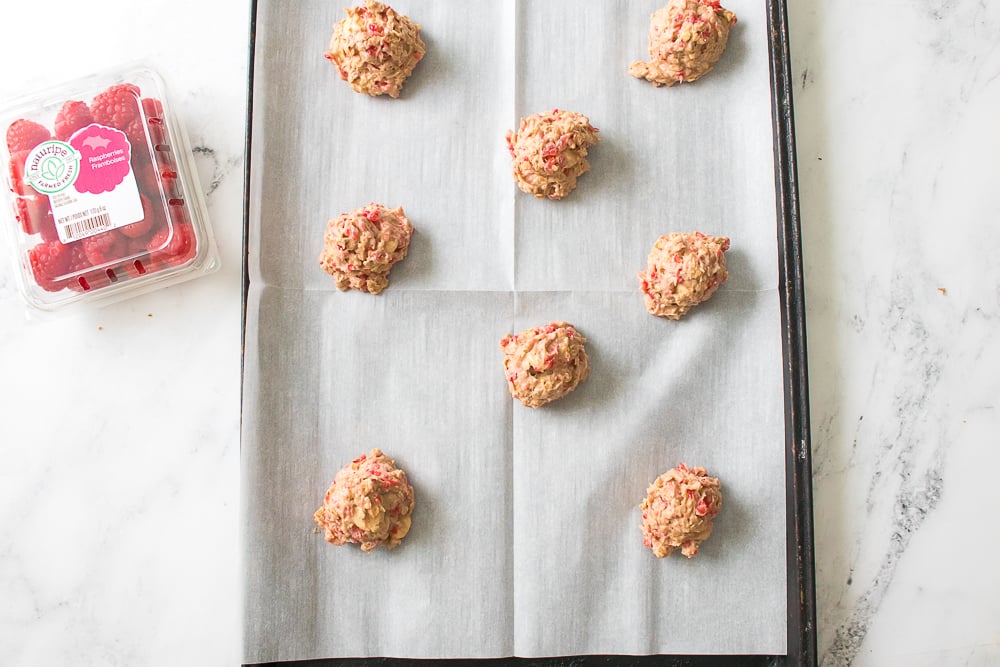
(176, 201)
(83, 283)
(111, 275)
(139, 268)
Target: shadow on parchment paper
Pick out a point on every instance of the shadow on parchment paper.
(611, 171)
(731, 529)
(736, 51)
(418, 263)
(742, 277)
(424, 517)
(432, 70)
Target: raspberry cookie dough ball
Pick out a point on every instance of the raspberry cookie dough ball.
(369, 503)
(545, 363)
(686, 39)
(682, 271)
(360, 247)
(550, 152)
(375, 49)
(678, 511)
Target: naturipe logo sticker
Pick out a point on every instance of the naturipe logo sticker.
(52, 166)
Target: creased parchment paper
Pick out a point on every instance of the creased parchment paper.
(525, 537)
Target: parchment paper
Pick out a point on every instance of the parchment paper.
(525, 536)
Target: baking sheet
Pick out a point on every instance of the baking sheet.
(525, 537)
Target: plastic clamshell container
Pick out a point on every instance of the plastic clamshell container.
(101, 200)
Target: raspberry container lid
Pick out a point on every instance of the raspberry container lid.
(101, 200)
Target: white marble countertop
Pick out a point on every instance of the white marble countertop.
(119, 444)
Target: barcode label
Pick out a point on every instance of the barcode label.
(80, 215)
(87, 226)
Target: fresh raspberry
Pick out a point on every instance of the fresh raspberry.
(16, 170)
(137, 246)
(80, 279)
(145, 178)
(174, 244)
(141, 227)
(149, 183)
(77, 258)
(136, 132)
(104, 247)
(49, 262)
(23, 135)
(73, 116)
(167, 183)
(118, 106)
(33, 212)
(47, 227)
(141, 159)
(152, 107)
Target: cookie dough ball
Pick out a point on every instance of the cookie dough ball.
(545, 363)
(550, 152)
(369, 503)
(682, 271)
(375, 49)
(361, 247)
(686, 39)
(678, 511)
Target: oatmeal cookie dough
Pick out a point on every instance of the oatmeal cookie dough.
(678, 511)
(375, 49)
(550, 152)
(361, 246)
(686, 39)
(682, 271)
(369, 503)
(545, 363)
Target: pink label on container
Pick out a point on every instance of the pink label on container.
(104, 158)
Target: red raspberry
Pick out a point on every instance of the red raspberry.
(146, 177)
(137, 246)
(23, 135)
(77, 258)
(82, 280)
(34, 214)
(153, 108)
(142, 227)
(73, 116)
(118, 106)
(173, 244)
(16, 170)
(104, 247)
(49, 262)
(47, 227)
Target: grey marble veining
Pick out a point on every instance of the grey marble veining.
(897, 164)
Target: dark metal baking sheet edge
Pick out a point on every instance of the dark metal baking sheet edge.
(801, 647)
